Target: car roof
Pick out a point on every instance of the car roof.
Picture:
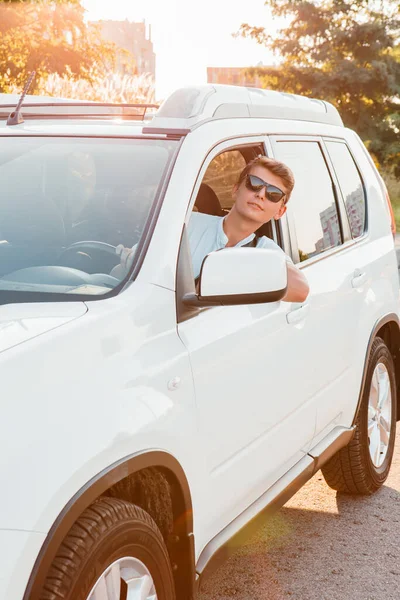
(182, 112)
(74, 127)
(45, 115)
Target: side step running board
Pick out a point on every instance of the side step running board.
(232, 536)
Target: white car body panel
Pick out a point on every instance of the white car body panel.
(85, 385)
(18, 552)
(122, 356)
(247, 376)
(22, 322)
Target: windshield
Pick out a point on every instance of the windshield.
(67, 206)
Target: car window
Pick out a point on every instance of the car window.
(67, 203)
(214, 199)
(350, 185)
(222, 174)
(312, 204)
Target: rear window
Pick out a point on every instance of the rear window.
(350, 185)
(67, 203)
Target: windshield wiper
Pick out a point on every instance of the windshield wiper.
(15, 118)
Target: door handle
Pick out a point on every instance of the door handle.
(298, 314)
(359, 279)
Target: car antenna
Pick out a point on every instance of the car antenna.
(15, 118)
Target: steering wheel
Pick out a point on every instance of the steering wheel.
(83, 251)
(89, 245)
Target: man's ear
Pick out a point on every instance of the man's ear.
(280, 212)
(234, 190)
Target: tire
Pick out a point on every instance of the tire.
(107, 532)
(363, 465)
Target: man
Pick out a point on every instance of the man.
(261, 194)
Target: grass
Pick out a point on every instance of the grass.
(112, 88)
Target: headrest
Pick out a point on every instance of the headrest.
(207, 201)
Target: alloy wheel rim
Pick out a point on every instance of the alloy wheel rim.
(125, 579)
(379, 415)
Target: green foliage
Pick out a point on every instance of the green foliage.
(48, 36)
(345, 52)
(393, 187)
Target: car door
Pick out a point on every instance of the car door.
(370, 264)
(254, 419)
(321, 242)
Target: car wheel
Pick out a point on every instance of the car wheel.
(114, 551)
(363, 465)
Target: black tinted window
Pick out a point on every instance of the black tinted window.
(350, 184)
(312, 203)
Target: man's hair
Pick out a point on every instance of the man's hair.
(276, 167)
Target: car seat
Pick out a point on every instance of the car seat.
(207, 201)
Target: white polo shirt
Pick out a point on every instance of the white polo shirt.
(206, 234)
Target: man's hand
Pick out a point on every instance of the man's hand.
(126, 256)
(297, 285)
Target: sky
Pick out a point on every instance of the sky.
(189, 36)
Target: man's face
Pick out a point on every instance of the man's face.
(254, 206)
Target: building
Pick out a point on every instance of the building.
(355, 206)
(131, 38)
(330, 227)
(233, 76)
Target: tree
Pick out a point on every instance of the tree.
(49, 36)
(346, 52)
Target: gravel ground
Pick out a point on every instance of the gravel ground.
(320, 546)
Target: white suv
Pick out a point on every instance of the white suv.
(145, 424)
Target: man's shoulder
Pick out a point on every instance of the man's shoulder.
(266, 242)
(200, 221)
(198, 217)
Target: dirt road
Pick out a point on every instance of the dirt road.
(320, 546)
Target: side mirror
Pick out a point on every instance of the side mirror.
(235, 276)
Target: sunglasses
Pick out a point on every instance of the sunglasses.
(255, 184)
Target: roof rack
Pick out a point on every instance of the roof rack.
(187, 107)
(74, 110)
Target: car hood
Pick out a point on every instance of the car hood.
(22, 322)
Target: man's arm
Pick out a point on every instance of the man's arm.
(297, 285)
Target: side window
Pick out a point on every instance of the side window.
(214, 199)
(222, 174)
(312, 203)
(350, 184)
